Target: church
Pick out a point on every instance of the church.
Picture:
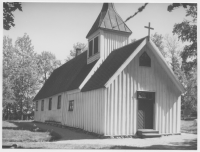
(115, 88)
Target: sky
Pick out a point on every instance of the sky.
(55, 27)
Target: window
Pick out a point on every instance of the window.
(50, 103)
(146, 95)
(36, 104)
(71, 105)
(59, 102)
(145, 60)
(90, 48)
(42, 105)
(94, 46)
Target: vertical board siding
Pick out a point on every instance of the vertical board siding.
(54, 114)
(121, 95)
(111, 42)
(87, 112)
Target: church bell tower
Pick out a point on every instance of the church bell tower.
(108, 33)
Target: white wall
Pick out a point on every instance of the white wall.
(121, 101)
(88, 112)
(110, 41)
(54, 114)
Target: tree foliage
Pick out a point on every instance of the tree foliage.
(187, 32)
(79, 45)
(133, 40)
(176, 5)
(190, 96)
(47, 62)
(172, 51)
(26, 77)
(8, 66)
(8, 17)
(170, 48)
(21, 74)
(158, 40)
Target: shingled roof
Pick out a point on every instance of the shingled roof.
(110, 20)
(67, 77)
(110, 66)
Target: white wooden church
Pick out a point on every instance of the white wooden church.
(115, 87)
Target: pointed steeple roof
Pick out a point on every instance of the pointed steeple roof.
(109, 19)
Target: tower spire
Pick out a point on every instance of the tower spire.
(109, 19)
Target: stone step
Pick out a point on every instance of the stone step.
(150, 135)
(147, 131)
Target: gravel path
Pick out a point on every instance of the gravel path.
(183, 141)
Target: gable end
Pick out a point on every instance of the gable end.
(160, 58)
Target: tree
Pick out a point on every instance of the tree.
(8, 66)
(79, 45)
(26, 75)
(175, 5)
(187, 31)
(172, 52)
(47, 62)
(8, 17)
(171, 48)
(133, 40)
(22, 70)
(158, 40)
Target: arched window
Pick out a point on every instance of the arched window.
(145, 60)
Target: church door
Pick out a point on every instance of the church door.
(145, 109)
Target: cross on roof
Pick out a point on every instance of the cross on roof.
(149, 28)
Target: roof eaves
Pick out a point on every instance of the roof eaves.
(44, 94)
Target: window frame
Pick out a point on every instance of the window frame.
(146, 95)
(93, 53)
(90, 42)
(97, 37)
(59, 102)
(50, 103)
(42, 105)
(71, 105)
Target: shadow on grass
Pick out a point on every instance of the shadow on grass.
(70, 133)
(30, 126)
(57, 133)
(20, 147)
(186, 145)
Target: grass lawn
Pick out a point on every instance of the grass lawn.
(188, 127)
(46, 145)
(17, 131)
(28, 135)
